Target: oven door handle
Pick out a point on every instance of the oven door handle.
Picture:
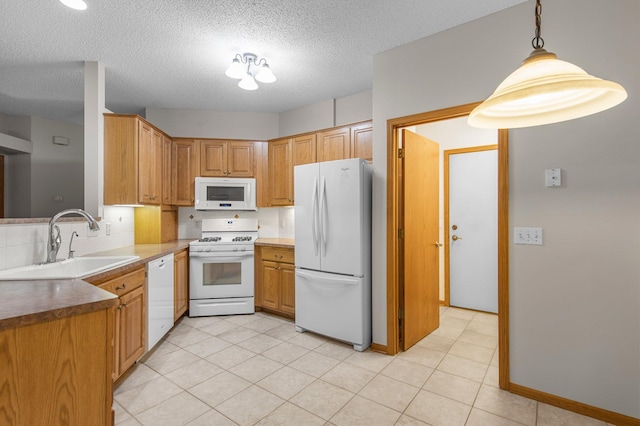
(214, 254)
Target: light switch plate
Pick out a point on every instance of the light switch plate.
(527, 236)
(553, 178)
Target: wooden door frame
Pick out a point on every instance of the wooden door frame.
(447, 228)
(393, 221)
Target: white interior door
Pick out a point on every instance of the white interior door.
(473, 230)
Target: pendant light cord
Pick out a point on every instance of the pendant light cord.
(538, 41)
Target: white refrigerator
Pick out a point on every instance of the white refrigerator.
(333, 250)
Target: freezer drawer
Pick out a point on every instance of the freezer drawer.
(336, 306)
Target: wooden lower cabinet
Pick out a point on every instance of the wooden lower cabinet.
(130, 323)
(56, 372)
(275, 272)
(131, 318)
(180, 284)
(287, 302)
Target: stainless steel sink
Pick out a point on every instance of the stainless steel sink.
(71, 268)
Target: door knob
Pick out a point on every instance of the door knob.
(456, 238)
(438, 244)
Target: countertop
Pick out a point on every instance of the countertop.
(31, 302)
(276, 242)
(147, 253)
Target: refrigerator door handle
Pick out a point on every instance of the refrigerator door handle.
(334, 279)
(323, 218)
(314, 219)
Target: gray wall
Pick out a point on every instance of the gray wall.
(33, 179)
(262, 126)
(574, 301)
(214, 124)
(56, 170)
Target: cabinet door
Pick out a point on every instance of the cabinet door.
(145, 156)
(334, 144)
(150, 164)
(240, 159)
(287, 289)
(362, 142)
(280, 173)
(132, 327)
(166, 170)
(304, 149)
(214, 158)
(120, 160)
(155, 167)
(181, 284)
(183, 172)
(270, 285)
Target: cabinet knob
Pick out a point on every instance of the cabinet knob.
(124, 285)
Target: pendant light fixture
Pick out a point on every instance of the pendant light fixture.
(545, 90)
(247, 80)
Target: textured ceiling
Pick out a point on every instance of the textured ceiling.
(173, 53)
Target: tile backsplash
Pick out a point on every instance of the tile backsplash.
(273, 222)
(25, 244)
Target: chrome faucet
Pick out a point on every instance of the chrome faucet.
(54, 241)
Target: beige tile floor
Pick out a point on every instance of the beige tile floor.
(256, 369)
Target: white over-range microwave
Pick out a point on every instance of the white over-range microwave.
(225, 193)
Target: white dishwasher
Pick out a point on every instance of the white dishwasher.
(159, 299)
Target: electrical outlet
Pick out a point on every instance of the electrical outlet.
(197, 223)
(107, 228)
(527, 236)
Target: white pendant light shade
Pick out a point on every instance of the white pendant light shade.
(74, 4)
(265, 75)
(248, 83)
(545, 90)
(235, 70)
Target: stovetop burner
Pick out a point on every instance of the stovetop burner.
(226, 235)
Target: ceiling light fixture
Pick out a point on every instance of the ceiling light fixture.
(545, 90)
(247, 81)
(74, 4)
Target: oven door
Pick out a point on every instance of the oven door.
(221, 275)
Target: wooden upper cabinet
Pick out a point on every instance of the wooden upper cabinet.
(184, 163)
(362, 141)
(150, 165)
(226, 158)
(304, 149)
(334, 144)
(280, 173)
(213, 158)
(166, 170)
(132, 161)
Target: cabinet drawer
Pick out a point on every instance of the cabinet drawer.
(125, 283)
(277, 254)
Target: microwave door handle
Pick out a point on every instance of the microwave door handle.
(314, 216)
